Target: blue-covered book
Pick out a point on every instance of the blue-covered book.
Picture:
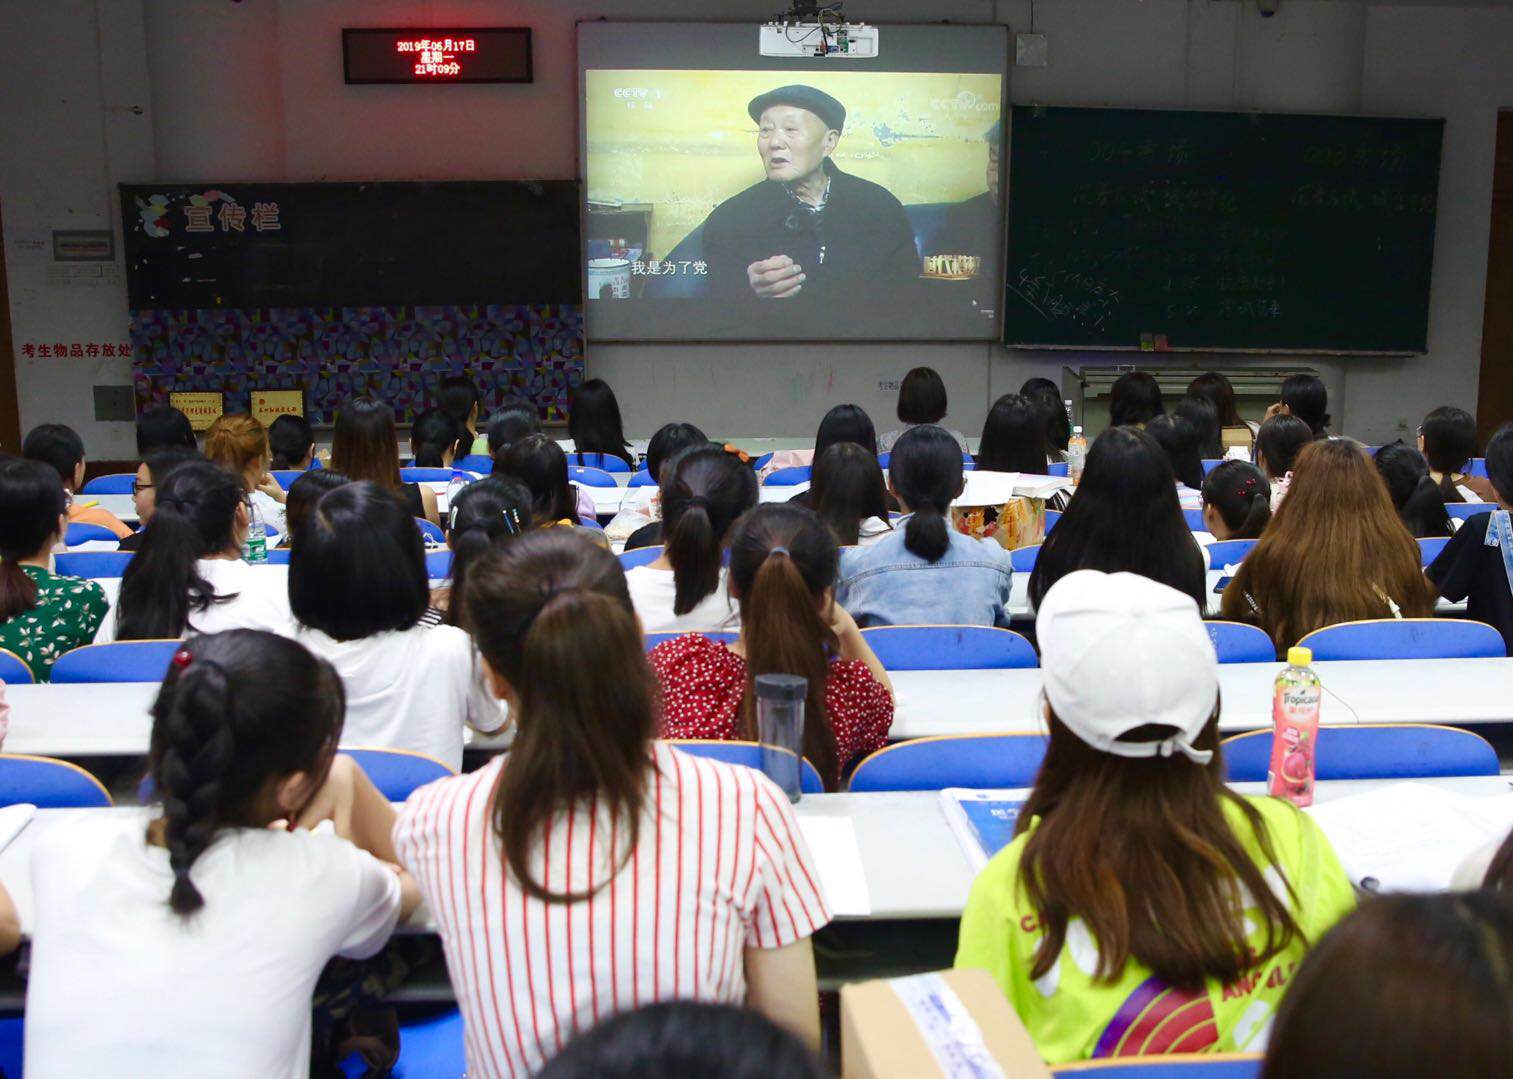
(983, 820)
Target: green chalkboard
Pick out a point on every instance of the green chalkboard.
(1215, 230)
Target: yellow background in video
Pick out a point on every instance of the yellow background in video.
(682, 140)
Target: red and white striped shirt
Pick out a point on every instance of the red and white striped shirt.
(720, 866)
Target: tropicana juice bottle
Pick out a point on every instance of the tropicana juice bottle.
(1295, 730)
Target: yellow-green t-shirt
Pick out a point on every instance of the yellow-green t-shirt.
(1073, 1017)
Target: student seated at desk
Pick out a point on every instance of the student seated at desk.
(1124, 517)
(457, 397)
(1134, 400)
(553, 866)
(1046, 396)
(154, 467)
(291, 440)
(843, 423)
(358, 589)
(163, 426)
(1307, 398)
(239, 444)
(921, 402)
(540, 464)
(1179, 441)
(188, 576)
(850, 495)
(192, 946)
(1419, 501)
(62, 450)
(639, 522)
(1203, 417)
(1217, 390)
(1236, 501)
(42, 615)
(305, 492)
(364, 446)
(782, 560)
(684, 590)
(493, 510)
(1278, 444)
(925, 571)
(1477, 564)
(594, 424)
(1335, 551)
(436, 440)
(1447, 439)
(1407, 987)
(1143, 907)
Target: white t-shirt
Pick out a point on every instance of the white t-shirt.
(120, 985)
(261, 599)
(409, 689)
(652, 592)
(871, 530)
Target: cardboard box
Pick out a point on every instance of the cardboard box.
(916, 1027)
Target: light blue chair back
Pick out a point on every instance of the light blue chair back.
(590, 477)
(397, 773)
(789, 477)
(1166, 1066)
(1461, 510)
(1236, 642)
(1372, 751)
(279, 556)
(759, 463)
(480, 463)
(1211, 463)
(1057, 468)
(642, 479)
(48, 783)
(117, 483)
(412, 474)
(968, 760)
(1195, 521)
(1228, 552)
(640, 556)
(1477, 466)
(605, 462)
(748, 754)
(13, 669)
(428, 1049)
(883, 459)
(1405, 638)
(1429, 548)
(87, 533)
(949, 648)
(432, 533)
(728, 636)
(1022, 559)
(118, 661)
(92, 563)
(438, 564)
(285, 477)
(1051, 519)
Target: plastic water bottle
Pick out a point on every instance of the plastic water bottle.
(457, 483)
(255, 549)
(1076, 455)
(1295, 731)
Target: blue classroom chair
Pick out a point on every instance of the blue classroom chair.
(748, 754)
(728, 636)
(1022, 559)
(430, 532)
(285, 477)
(480, 463)
(590, 477)
(759, 463)
(642, 479)
(789, 477)
(438, 564)
(86, 533)
(397, 773)
(1429, 548)
(1051, 519)
(640, 556)
(1477, 466)
(1461, 510)
(412, 474)
(12, 1037)
(48, 783)
(1371, 751)
(118, 661)
(13, 669)
(1228, 552)
(428, 1049)
(1057, 468)
(117, 483)
(1237, 642)
(1405, 638)
(1195, 521)
(605, 462)
(949, 648)
(952, 760)
(1166, 1066)
(92, 564)
(1211, 463)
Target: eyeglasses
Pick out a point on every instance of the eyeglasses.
(137, 486)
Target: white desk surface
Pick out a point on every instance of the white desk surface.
(111, 719)
(913, 862)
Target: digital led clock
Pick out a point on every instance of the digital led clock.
(494, 54)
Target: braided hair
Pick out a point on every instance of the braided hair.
(222, 728)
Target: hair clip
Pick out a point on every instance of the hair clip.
(512, 521)
(742, 454)
(181, 658)
(779, 550)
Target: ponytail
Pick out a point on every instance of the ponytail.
(1447, 489)
(704, 491)
(18, 592)
(542, 608)
(31, 501)
(693, 548)
(926, 471)
(1241, 494)
(197, 750)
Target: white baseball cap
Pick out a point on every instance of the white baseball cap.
(1119, 651)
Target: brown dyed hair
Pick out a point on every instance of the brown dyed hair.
(364, 445)
(1333, 549)
(1407, 986)
(236, 441)
(544, 609)
(782, 565)
(1140, 849)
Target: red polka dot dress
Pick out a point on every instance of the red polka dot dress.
(703, 683)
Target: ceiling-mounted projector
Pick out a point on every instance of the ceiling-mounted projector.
(813, 31)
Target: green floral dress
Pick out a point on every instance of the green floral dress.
(68, 613)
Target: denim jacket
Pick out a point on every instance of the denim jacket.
(888, 585)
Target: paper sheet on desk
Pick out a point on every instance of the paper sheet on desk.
(832, 842)
(1411, 836)
(13, 818)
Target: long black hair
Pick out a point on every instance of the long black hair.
(31, 501)
(1047, 397)
(926, 473)
(1217, 390)
(1239, 493)
(1419, 501)
(593, 422)
(194, 518)
(1449, 442)
(1124, 518)
(539, 463)
(1307, 398)
(1013, 437)
(1279, 442)
(433, 435)
(845, 423)
(703, 494)
(1134, 399)
(1199, 411)
(1179, 441)
(237, 711)
(306, 491)
(457, 396)
(490, 511)
(846, 489)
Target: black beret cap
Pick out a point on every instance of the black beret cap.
(831, 111)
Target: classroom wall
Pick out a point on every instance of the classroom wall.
(254, 90)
